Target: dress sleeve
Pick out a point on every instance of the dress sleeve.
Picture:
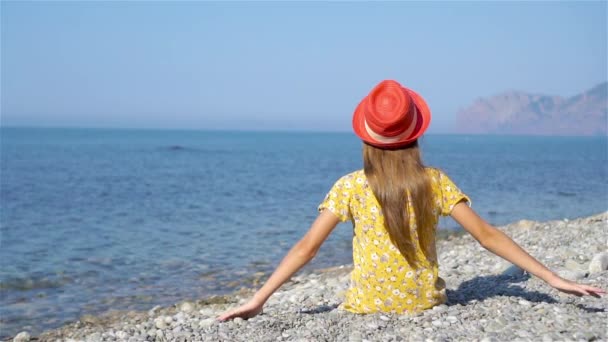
(337, 199)
(450, 194)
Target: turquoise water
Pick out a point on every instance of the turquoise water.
(93, 219)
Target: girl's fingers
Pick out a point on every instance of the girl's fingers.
(591, 291)
(571, 287)
(594, 289)
(227, 315)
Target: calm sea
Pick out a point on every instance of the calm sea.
(93, 219)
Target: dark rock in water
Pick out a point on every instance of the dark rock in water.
(216, 300)
(32, 283)
(89, 319)
(565, 194)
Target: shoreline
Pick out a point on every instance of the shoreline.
(487, 298)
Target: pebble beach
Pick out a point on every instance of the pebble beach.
(488, 300)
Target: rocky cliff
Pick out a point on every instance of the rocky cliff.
(532, 114)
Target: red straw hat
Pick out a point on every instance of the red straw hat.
(391, 116)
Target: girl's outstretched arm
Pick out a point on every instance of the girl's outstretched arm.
(500, 244)
(299, 255)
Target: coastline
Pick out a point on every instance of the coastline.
(488, 299)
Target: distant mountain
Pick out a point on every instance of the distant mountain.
(516, 112)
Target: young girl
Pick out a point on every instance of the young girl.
(394, 203)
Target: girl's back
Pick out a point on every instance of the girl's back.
(382, 279)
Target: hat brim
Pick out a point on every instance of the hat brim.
(422, 123)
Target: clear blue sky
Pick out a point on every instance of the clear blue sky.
(282, 65)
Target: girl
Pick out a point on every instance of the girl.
(394, 203)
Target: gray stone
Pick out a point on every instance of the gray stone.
(572, 275)
(599, 263)
(160, 323)
(23, 336)
(547, 338)
(204, 323)
(89, 319)
(573, 265)
(493, 327)
(372, 325)
(525, 224)
(186, 307)
(94, 337)
(523, 334)
(525, 303)
(154, 310)
(488, 339)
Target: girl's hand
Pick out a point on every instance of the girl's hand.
(245, 311)
(571, 287)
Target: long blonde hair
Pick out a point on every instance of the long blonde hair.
(394, 175)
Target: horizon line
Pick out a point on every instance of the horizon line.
(278, 130)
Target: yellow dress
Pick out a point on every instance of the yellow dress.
(382, 280)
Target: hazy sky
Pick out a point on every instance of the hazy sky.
(254, 65)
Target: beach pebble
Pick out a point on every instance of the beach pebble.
(599, 263)
(204, 323)
(154, 310)
(94, 337)
(355, 336)
(89, 319)
(186, 307)
(572, 275)
(525, 303)
(525, 224)
(22, 337)
(160, 323)
(573, 265)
